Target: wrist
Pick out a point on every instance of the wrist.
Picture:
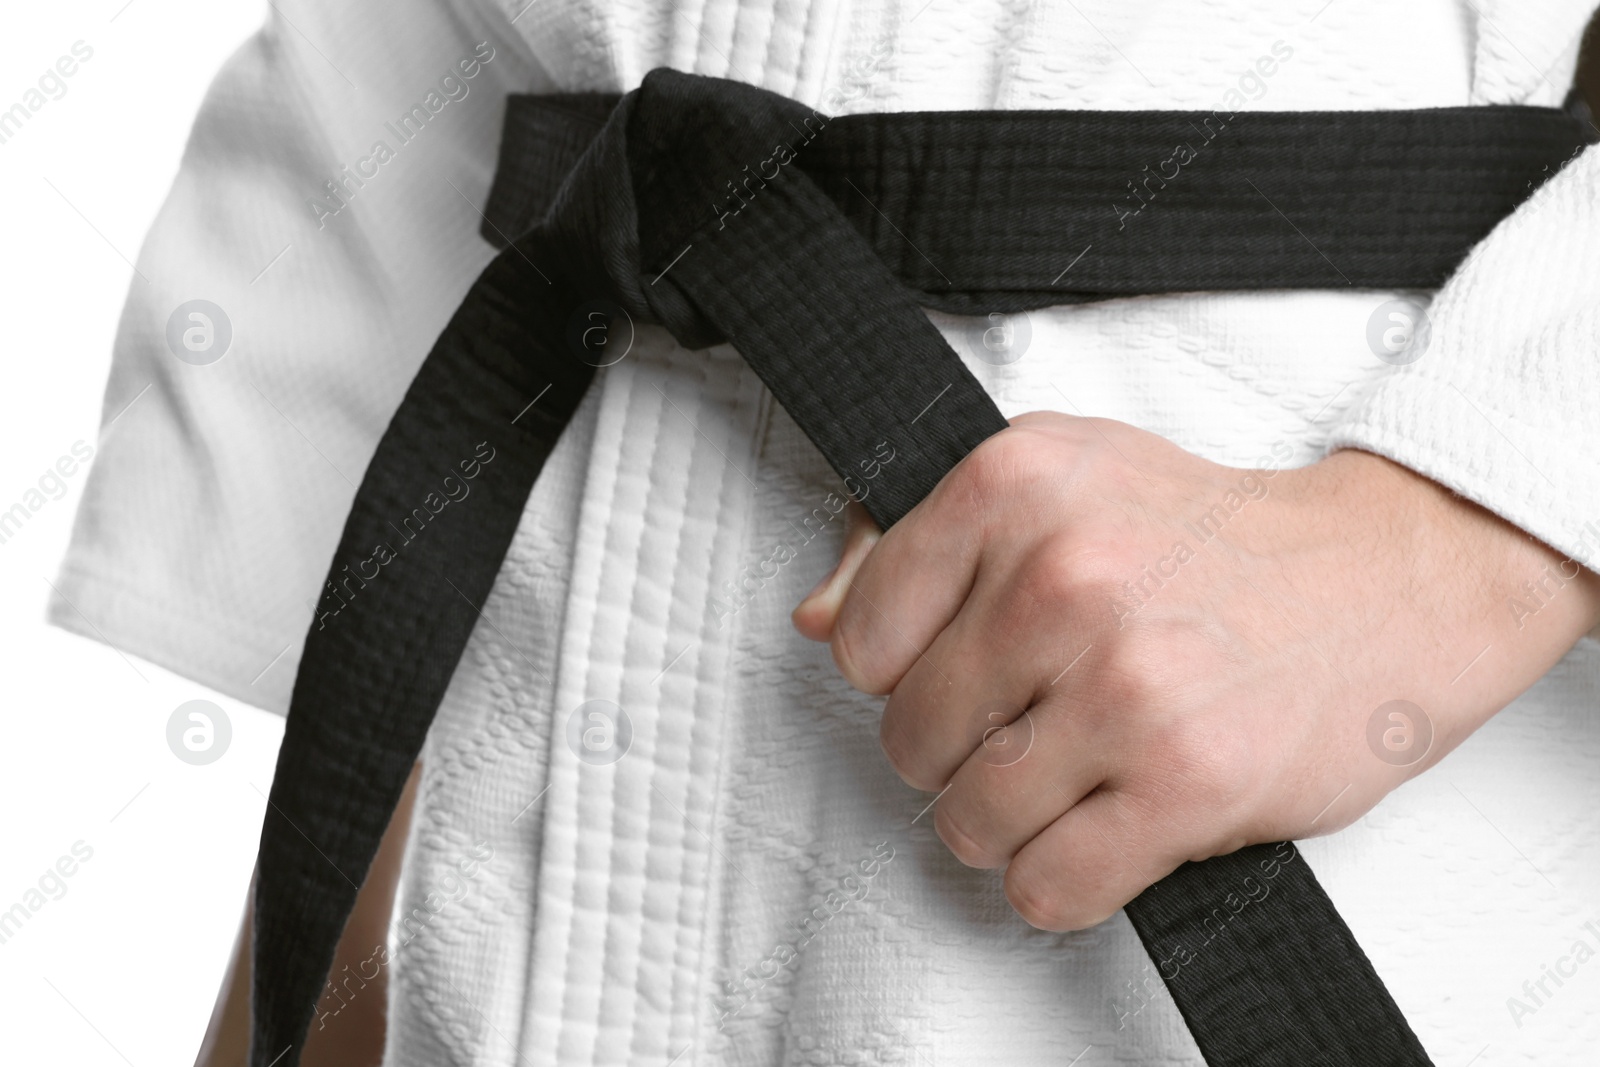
(1519, 604)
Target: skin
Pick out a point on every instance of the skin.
(353, 1037)
(1232, 706)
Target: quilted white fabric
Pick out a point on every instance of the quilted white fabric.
(706, 898)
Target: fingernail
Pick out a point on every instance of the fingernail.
(822, 584)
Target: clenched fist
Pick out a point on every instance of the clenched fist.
(1114, 656)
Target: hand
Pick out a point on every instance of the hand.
(1115, 656)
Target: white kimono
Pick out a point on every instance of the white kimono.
(750, 883)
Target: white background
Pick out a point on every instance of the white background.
(122, 969)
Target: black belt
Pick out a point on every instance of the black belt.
(726, 213)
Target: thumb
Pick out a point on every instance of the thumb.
(815, 615)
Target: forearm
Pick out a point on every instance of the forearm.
(351, 1022)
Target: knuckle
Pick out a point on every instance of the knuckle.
(1134, 672)
(997, 456)
(1044, 904)
(904, 754)
(1054, 575)
(1040, 901)
(1208, 763)
(1068, 571)
(1033, 898)
(988, 471)
(963, 845)
(852, 646)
